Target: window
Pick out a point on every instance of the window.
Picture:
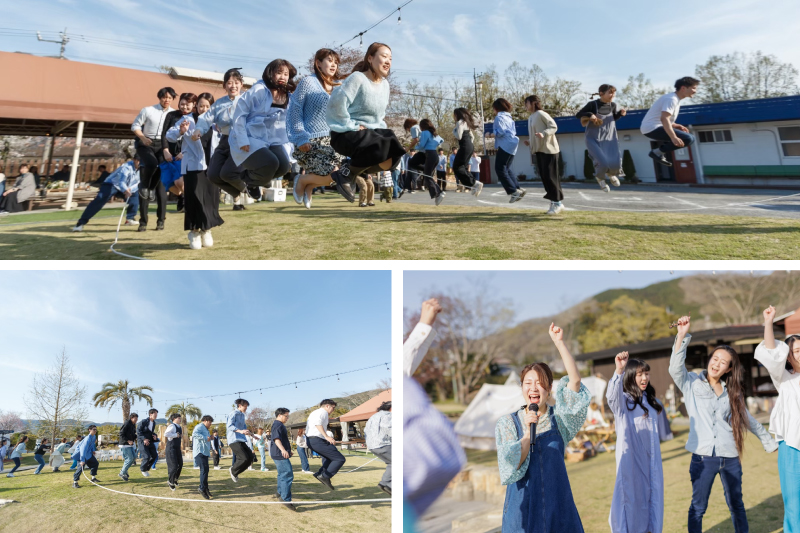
(790, 141)
(716, 136)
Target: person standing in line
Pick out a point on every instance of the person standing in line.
(125, 181)
(73, 451)
(545, 151)
(201, 447)
(38, 454)
(599, 117)
(366, 191)
(173, 451)
(718, 416)
(147, 445)
(127, 439)
(659, 122)
(24, 187)
(782, 361)
(16, 455)
(147, 128)
(263, 445)
(441, 170)
(506, 143)
(86, 457)
(379, 442)
(320, 442)
(475, 170)
(280, 451)
(237, 439)
(216, 449)
(302, 448)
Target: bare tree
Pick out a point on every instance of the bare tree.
(260, 417)
(384, 383)
(639, 93)
(11, 421)
(351, 400)
(741, 76)
(57, 398)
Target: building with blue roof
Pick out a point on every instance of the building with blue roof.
(746, 142)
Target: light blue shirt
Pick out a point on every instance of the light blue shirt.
(235, 421)
(86, 448)
(200, 444)
(505, 133)
(306, 112)
(358, 101)
(710, 431)
(427, 141)
(18, 451)
(220, 113)
(442, 163)
(194, 157)
(125, 178)
(249, 126)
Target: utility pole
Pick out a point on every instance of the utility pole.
(63, 42)
(479, 103)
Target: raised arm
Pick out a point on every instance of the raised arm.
(421, 338)
(557, 334)
(769, 333)
(615, 391)
(677, 362)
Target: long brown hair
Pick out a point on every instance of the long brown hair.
(269, 73)
(462, 113)
(364, 65)
(534, 101)
(734, 379)
(790, 342)
(426, 125)
(322, 54)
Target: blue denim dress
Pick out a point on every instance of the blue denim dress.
(541, 502)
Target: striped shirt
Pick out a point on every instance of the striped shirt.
(379, 430)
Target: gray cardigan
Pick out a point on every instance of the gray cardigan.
(26, 185)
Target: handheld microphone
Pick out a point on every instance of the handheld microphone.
(533, 407)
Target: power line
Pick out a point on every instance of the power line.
(462, 100)
(360, 35)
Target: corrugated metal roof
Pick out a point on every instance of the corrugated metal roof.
(741, 111)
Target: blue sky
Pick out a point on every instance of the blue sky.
(532, 294)
(595, 42)
(189, 333)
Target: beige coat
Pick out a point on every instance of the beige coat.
(541, 122)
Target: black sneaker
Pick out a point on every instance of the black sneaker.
(142, 227)
(95, 480)
(172, 485)
(385, 489)
(660, 159)
(254, 191)
(204, 494)
(181, 204)
(159, 226)
(208, 493)
(75, 485)
(238, 208)
(290, 506)
(325, 481)
(123, 477)
(343, 186)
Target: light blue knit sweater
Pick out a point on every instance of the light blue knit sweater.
(358, 102)
(306, 113)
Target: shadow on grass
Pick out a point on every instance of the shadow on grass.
(765, 517)
(705, 229)
(680, 453)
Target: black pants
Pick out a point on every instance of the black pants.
(223, 172)
(149, 455)
(243, 456)
(90, 463)
(441, 179)
(202, 460)
(332, 458)
(429, 160)
(547, 165)
(174, 462)
(266, 164)
(502, 165)
(9, 203)
(216, 459)
(150, 178)
(416, 164)
(461, 161)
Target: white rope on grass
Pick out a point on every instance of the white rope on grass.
(294, 502)
(365, 464)
(116, 238)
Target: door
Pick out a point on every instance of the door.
(684, 165)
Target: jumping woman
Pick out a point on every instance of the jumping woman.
(782, 361)
(465, 123)
(258, 132)
(638, 502)
(173, 169)
(308, 130)
(544, 149)
(506, 142)
(428, 145)
(599, 117)
(718, 419)
(355, 116)
(538, 494)
(222, 170)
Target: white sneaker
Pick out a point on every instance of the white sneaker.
(307, 201)
(146, 474)
(522, 193)
(514, 197)
(440, 198)
(234, 478)
(77, 228)
(603, 185)
(614, 181)
(195, 242)
(9, 475)
(552, 210)
(130, 222)
(477, 188)
(207, 241)
(307, 472)
(558, 208)
(196, 468)
(217, 467)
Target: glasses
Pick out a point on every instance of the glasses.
(675, 324)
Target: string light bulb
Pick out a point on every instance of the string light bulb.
(337, 377)
(360, 40)
(399, 15)
(295, 385)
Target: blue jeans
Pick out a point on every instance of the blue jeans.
(40, 460)
(303, 458)
(202, 461)
(332, 458)
(660, 134)
(74, 461)
(285, 478)
(263, 457)
(16, 464)
(129, 456)
(107, 191)
(396, 180)
(703, 470)
(502, 165)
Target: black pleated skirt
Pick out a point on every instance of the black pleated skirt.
(202, 202)
(367, 148)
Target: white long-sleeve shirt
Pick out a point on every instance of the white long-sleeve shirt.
(171, 432)
(151, 120)
(416, 346)
(784, 422)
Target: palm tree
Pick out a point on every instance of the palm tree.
(119, 392)
(186, 410)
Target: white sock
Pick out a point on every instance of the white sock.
(658, 152)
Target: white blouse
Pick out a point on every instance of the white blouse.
(784, 422)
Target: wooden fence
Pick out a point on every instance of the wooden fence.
(87, 171)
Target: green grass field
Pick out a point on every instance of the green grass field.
(592, 484)
(47, 502)
(335, 229)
